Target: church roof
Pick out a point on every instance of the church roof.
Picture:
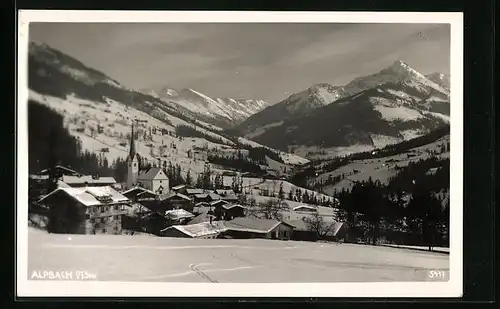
(149, 174)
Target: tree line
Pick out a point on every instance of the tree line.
(410, 209)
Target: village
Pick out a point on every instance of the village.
(148, 203)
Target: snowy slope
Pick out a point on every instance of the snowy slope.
(441, 79)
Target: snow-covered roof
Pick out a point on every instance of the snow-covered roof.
(217, 202)
(170, 195)
(224, 192)
(178, 187)
(301, 225)
(297, 208)
(62, 168)
(230, 197)
(150, 174)
(90, 196)
(69, 179)
(194, 191)
(177, 214)
(138, 191)
(200, 229)
(204, 217)
(231, 206)
(253, 225)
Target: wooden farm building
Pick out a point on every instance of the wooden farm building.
(88, 210)
(258, 228)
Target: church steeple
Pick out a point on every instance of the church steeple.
(132, 151)
(132, 163)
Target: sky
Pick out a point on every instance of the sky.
(246, 60)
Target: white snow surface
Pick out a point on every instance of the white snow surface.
(109, 258)
(398, 113)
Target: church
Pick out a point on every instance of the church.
(152, 178)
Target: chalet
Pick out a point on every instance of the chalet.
(58, 170)
(174, 200)
(231, 198)
(180, 189)
(191, 192)
(178, 216)
(88, 210)
(217, 203)
(201, 207)
(87, 180)
(202, 217)
(139, 194)
(223, 192)
(332, 230)
(154, 179)
(202, 198)
(258, 228)
(207, 230)
(305, 208)
(143, 196)
(228, 211)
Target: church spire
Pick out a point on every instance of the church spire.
(132, 152)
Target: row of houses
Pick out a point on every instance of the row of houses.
(84, 204)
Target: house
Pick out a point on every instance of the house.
(201, 207)
(179, 189)
(223, 192)
(202, 217)
(191, 192)
(258, 228)
(333, 230)
(87, 210)
(223, 211)
(143, 196)
(199, 154)
(173, 200)
(79, 180)
(305, 208)
(154, 179)
(207, 230)
(58, 170)
(217, 203)
(231, 198)
(202, 198)
(178, 216)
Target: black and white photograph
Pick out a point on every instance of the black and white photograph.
(239, 154)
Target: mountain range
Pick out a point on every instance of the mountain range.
(224, 112)
(371, 111)
(395, 104)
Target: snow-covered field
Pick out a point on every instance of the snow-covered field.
(156, 259)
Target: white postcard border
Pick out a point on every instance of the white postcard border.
(452, 288)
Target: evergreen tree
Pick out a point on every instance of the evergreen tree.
(281, 193)
(189, 180)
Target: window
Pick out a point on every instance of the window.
(104, 230)
(116, 207)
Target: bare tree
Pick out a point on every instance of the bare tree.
(317, 225)
(270, 209)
